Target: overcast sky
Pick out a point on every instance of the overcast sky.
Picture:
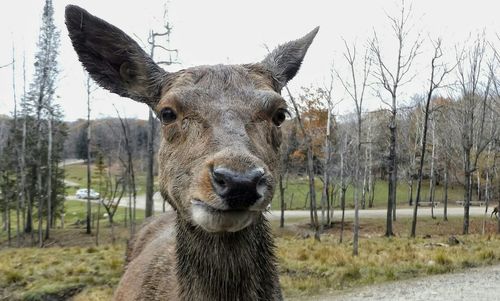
(213, 32)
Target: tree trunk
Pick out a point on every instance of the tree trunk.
(467, 192)
(99, 203)
(421, 165)
(112, 226)
(23, 179)
(18, 165)
(39, 174)
(98, 224)
(364, 187)
(89, 179)
(371, 182)
(445, 213)
(342, 205)
(487, 200)
(150, 165)
(312, 191)
(372, 193)
(357, 187)
(392, 175)
(49, 180)
(432, 175)
(282, 201)
(343, 191)
(329, 209)
(29, 217)
(410, 192)
(4, 194)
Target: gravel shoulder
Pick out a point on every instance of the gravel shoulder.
(472, 284)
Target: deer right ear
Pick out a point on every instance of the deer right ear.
(285, 60)
(113, 59)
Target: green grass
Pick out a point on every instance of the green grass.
(77, 211)
(296, 190)
(74, 220)
(298, 187)
(78, 173)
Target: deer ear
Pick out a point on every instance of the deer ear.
(112, 58)
(285, 60)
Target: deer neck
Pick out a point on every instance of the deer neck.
(228, 266)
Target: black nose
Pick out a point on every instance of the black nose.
(238, 190)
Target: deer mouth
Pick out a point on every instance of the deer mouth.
(213, 219)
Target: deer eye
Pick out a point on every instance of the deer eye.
(280, 116)
(167, 115)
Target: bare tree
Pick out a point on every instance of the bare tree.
(89, 89)
(310, 167)
(438, 73)
(114, 189)
(470, 111)
(326, 94)
(286, 151)
(489, 165)
(356, 91)
(128, 165)
(345, 176)
(100, 167)
(17, 151)
(391, 81)
(152, 41)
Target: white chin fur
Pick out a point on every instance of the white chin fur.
(221, 221)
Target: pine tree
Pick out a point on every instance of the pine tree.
(43, 144)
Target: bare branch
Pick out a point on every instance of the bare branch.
(7, 65)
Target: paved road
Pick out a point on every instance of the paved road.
(472, 284)
(67, 162)
(380, 213)
(363, 214)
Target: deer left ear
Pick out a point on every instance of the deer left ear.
(113, 59)
(285, 60)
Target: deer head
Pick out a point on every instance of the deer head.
(221, 124)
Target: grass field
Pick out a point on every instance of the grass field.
(77, 173)
(72, 265)
(296, 190)
(298, 187)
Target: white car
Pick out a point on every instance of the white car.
(82, 194)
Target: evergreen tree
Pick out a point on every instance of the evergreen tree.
(40, 167)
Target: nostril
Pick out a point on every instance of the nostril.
(262, 182)
(218, 178)
(220, 182)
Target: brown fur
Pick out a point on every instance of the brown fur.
(225, 120)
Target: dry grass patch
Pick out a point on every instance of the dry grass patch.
(73, 266)
(308, 267)
(58, 273)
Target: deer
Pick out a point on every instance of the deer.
(218, 161)
(494, 212)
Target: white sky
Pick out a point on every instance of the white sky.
(212, 32)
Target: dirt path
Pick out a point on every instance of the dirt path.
(472, 284)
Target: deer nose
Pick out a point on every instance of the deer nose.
(239, 190)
